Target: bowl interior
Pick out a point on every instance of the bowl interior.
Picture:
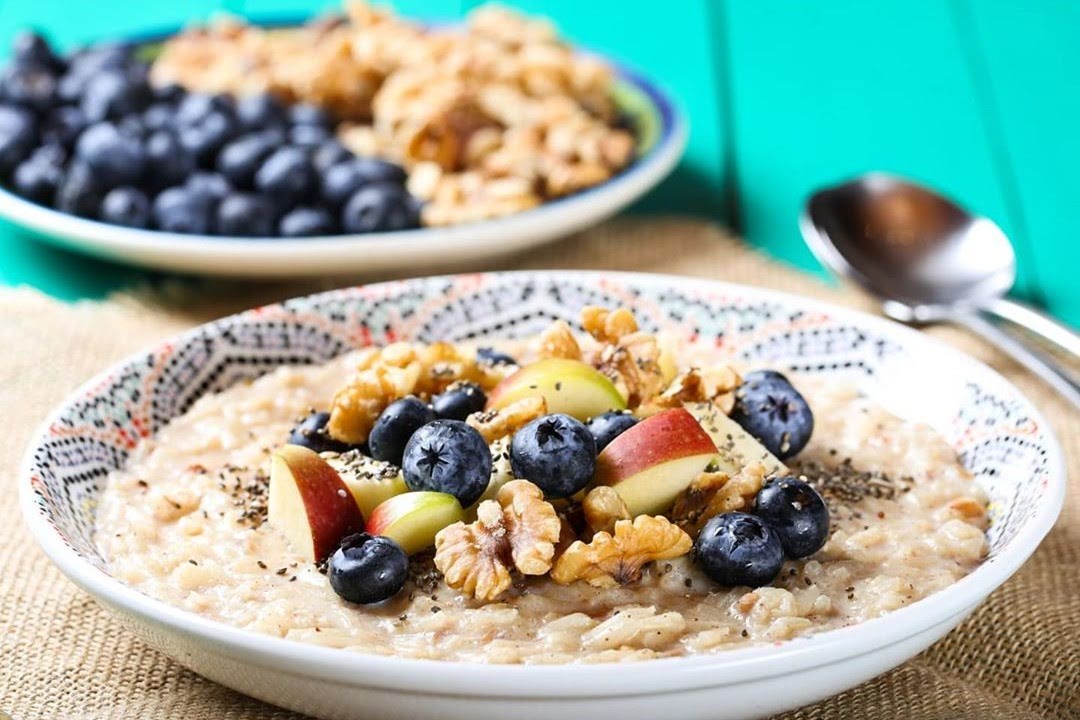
(996, 432)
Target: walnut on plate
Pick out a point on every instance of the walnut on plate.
(617, 558)
(715, 384)
(628, 357)
(715, 493)
(516, 530)
(603, 507)
(557, 341)
(496, 424)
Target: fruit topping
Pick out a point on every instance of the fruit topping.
(797, 513)
(309, 502)
(739, 549)
(603, 507)
(496, 424)
(459, 401)
(491, 356)
(608, 426)
(367, 569)
(395, 426)
(617, 558)
(312, 434)
(413, 518)
(568, 386)
(126, 206)
(518, 530)
(448, 456)
(715, 493)
(736, 448)
(770, 409)
(556, 453)
(379, 207)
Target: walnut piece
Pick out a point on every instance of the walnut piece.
(608, 326)
(715, 385)
(714, 493)
(611, 559)
(516, 530)
(603, 507)
(496, 424)
(558, 341)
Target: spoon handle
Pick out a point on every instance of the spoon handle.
(1033, 360)
(1036, 322)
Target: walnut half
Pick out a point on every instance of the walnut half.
(714, 493)
(611, 559)
(516, 530)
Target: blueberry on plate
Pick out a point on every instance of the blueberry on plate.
(166, 162)
(379, 207)
(169, 94)
(308, 114)
(307, 221)
(115, 158)
(210, 185)
(126, 206)
(608, 426)
(459, 401)
(193, 107)
(491, 356)
(16, 137)
(40, 175)
(308, 136)
(448, 456)
(287, 176)
(245, 215)
(556, 453)
(259, 111)
(31, 86)
(770, 409)
(368, 569)
(376, 170)
(329, 154)
(796, 512)
(30, 48)
(203, 138)
(395, 426)
(183, 210)
(79, 192)
(311, 433)
(158, 116)
(113, 95)
(241, 158)
(63, 126)
(340, 182)
(739, 549)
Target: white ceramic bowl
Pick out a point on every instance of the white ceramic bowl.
(997, 433)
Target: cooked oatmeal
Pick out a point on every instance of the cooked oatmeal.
(184, 522)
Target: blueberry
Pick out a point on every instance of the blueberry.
(167, 162)
(556, 453)
(158, 116)
(32, 86)
(329, 154)
(16, 137)
(368, 569)
(770, 409)
(79, 192)
(64, 125)
(343, 180)
(116, 159)
(30, 48)
(379, 207)
(103, 56)
(796, 512)
(287, 176)
(245, 215)
(459, 401)
(312, 434)
(193, 108)
(448, 456)
(169, 94)
(114, 94)
(307, 114)
(182, 210)
(395, 426)
(305, 221)
(240, 159)
(739, 549)
(258, 112)
(126, 206)
(376, 170)
(212, 186)
(610, 425)
(308, 136)
(39, 176)
(203, 138)
(491, 356)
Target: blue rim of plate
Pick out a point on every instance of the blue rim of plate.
(654, 104)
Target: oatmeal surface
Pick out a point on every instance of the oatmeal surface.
(184, 523)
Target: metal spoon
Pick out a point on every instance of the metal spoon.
(929, 260)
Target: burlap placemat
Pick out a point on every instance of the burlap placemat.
(63, 657)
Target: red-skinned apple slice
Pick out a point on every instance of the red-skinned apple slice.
(413, 519)
(310, 503)
(568, 386)
(655, 460)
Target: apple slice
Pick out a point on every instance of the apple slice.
(310, 503)
(735, 447)
(370, 481)
(568, 386)
(412, 519)
(655, 460)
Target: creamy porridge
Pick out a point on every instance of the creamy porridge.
(186, 522)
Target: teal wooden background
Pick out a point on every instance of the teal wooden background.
(977, 97)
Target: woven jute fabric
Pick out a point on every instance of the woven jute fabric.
(61, 656)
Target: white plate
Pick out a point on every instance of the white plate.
(995, 430)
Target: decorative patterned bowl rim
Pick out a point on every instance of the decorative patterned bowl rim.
(664, 675)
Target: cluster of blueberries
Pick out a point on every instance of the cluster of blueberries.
(438, 451)
(90, 136)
